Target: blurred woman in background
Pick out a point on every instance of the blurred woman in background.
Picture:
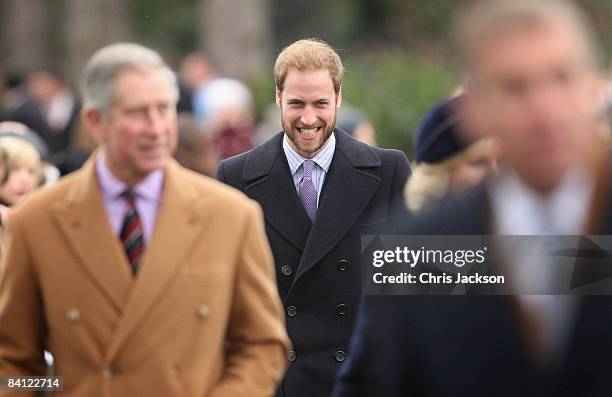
(447, 161)
(23, 170)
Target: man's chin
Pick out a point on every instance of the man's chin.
(309, 148)
(547, 177)
(151, 165)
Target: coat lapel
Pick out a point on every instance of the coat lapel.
(346, 195)
(82, 220)
(269, 182)
(181, 215)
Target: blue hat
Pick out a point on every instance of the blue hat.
(437, 137)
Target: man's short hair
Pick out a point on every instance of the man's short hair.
(308, 55)
(102, 69)
(484, 18)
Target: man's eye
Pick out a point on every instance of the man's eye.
(136, 112)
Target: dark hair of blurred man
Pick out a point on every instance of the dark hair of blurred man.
(319, 189)
(535, 84)
(139, 276)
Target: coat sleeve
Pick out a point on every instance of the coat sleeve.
(21, 314)
(221, 172)
(257, 342)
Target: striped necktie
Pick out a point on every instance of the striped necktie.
(131, 233)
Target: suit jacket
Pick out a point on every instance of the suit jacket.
(318, 266)
(471, 345)
(202, 317)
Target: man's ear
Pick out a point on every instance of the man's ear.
(94, 122)
(339, 98)
(278, 98)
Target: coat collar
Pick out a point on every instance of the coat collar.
(348, 190)
(83, 221)
(262, 158)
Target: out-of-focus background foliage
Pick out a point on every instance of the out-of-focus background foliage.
(396, 52)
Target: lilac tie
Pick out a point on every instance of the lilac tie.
(307, 191)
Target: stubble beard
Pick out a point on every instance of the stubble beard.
(308, 149)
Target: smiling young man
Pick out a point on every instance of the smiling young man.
(320, 190)
(139, 276)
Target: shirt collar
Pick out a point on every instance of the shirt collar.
(567, 205)
(323, 159)
(150, 188)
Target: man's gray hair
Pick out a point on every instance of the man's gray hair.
(102, 69)
(484, 18)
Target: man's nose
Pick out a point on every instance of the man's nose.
(156, 122)
(308, 117)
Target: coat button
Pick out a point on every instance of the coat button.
(340, 356)
(287, 270)
(202, 312)
(342, 309)
(108, 374)
(343, 265)
(291, 311)
(291, 356)
(73, 315)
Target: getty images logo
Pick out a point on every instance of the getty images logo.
(411, 257)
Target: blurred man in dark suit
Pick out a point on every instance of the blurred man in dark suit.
(535, 84)
(319, 189)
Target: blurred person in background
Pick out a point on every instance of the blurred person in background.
(355, 123)
(230, 116)
(139, 276)
(47, 106)
(50, 173)
(223, 105)
(447, 161)
(195, 150)
(320, 189)
(58, 105)
(535, 84)
(19, 106)
(23, 170)
(21, 150)
(196, 71)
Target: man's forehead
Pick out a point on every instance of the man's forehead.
(311, 85)
(529, 49)
(138, 84)
(138, 73)
(308, 78)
